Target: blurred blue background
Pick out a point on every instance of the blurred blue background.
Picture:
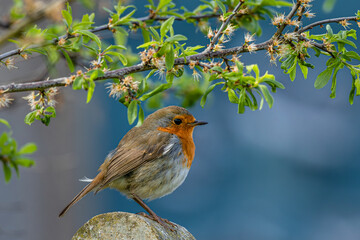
(292, 172)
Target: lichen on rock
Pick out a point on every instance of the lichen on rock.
(124, 226)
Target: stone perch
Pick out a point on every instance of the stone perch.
(124, 226)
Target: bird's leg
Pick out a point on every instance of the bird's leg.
(152, 215)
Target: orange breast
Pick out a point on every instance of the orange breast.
(186, 138)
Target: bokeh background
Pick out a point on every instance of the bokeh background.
(290, 172)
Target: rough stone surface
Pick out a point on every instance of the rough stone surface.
(122, 225)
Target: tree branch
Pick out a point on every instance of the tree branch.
(332, 20)
(59, 82)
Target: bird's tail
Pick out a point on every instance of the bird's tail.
(88, 188)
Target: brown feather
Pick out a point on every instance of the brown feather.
(132, 153)
(88, 188)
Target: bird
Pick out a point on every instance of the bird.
(151, 160)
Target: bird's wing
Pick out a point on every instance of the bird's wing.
(133, 150)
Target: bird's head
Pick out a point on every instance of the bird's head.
(173, 119)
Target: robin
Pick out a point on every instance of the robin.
(151, 161)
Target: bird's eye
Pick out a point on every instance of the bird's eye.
(177, 121)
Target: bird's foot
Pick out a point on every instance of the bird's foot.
(162, 221)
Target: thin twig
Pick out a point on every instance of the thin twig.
(332, 20)
(288, 17)
(318, 45)
(227, 63)
(223, 26)
(300, 14)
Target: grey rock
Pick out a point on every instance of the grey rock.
(124, 226)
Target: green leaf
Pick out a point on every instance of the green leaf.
(121, 57)
(145, 34)
(90, 91)
(117, 47)
(25, 162)
(157, 90)
(132, 111)
(90, 35)
(3, 121)
(3, 139)
(147, 44)
(352, 32)
(357, 85)
(274, 84)
(77, 84)
(352, 91)
(162, 3)
(292, 74)
(329, 30)
(283, 4)
(328, 5)
(288, 62)
(317, 51)
(176, 38)
(67, 16)
(255, 68)
(232, 96)
(352, 54)
(217, 68)
(93, 50)
(265, 91)
(292, 70)
(210, 88)
(50, 111)
(7, 172)
(255, 104)
(125, 19)
(221, 6)
(82, 25)
(9, 148)
(155, 34)
(170, 58)
(140, 118)
(304, 70)
(241, 102)
(30, 117)
(345, 41)
(323, 78)
(69, 61)
(333, 84)
(95, 73)
(165, 26)
(28, 148)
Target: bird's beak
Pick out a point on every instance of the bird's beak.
(197, 123)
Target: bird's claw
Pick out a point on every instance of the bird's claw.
(162, 221)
